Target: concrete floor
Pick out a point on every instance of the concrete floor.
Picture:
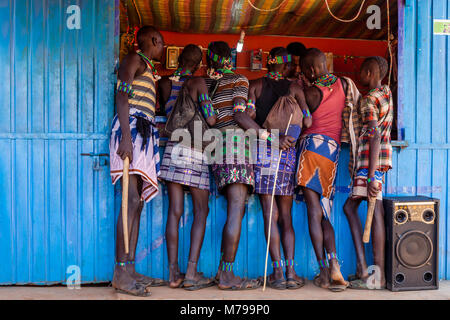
(308, 292)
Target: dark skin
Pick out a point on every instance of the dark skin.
(125, 277)
(370, 77)
(281, 215)
(200, 197)
(320, 229)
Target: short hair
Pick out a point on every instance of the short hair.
(146, 33)
(296, 49)
(310, 55)
(278, 51)
(190, 56)
(379, 62)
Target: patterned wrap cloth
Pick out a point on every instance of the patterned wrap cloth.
(316, 169)
(182, 164)
(186, 166)
(235, 165)
(145, 159)
(265, 169)
(359, 188)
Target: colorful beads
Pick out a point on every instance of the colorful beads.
(203, 97)
(239, 107)
(277, 264)
(122, 86)
(150, 65)
(122, 264)
(306, 113)
(227, 266)
(290, 262)
(371, 132)
(332, 255)
(208, 110)
(274, 75)
(217, 58)
(279, 59)
(179, 73)
(326, 80)
(251, 105)
(323, 263)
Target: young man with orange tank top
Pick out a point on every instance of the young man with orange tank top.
(317, 162)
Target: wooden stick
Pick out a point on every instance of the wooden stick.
(125, 183)
(368, 226)
(271, 208)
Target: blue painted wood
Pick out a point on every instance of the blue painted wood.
(57, 102)
(55, 210)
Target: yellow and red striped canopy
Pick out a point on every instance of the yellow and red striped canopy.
(305, 18)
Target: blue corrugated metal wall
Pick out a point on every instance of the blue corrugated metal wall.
(57, 102)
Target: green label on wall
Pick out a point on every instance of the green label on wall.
(441, 27)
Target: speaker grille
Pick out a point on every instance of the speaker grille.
(414, 249)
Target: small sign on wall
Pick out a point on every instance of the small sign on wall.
(441, 27)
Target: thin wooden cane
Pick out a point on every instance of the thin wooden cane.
(271, 208)
(368, 226)
(125, 183)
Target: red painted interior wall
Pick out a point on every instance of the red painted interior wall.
(341, 48)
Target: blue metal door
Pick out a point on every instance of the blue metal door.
(56, 101)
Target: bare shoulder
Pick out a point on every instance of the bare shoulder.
(255, 82)
(295, 87)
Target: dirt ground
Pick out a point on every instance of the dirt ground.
(308, 292)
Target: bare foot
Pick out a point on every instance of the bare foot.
(361, 272)
(335, 273)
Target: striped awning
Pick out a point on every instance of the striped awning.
(305, 18)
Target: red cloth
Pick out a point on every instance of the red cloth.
(327, 118)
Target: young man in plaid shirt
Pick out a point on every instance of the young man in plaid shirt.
(374, 159)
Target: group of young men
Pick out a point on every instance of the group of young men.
(331, 111)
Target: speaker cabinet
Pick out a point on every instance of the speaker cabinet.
(412, 243)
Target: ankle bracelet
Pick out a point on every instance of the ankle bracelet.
(290, 262)
(227, 266)
(121, 264)
(130, 262)
(323, 263)
(277, 264)
(332, 255)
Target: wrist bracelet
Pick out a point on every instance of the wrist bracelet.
(239, 107)
(306, 113)
(251, 105)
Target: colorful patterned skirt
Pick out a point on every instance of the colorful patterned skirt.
(234, 165)
(265, 169)
(186, 166)
(317, 165)
(145, 157)
(359, 188)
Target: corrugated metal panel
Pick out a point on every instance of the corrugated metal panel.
(56, 102)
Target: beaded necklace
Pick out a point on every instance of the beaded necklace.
(150, 65)
(180, 73)
(217, 74)
(274, 75)
(326, 80)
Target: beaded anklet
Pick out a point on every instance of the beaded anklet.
(332, 255)
(227, 266)
(290, 262)
(122, 264)
(277, 264)
(323, 263)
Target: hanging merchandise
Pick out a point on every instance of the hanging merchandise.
(256, 60)
(233, 58)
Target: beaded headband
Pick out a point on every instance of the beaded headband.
(217, 58)
(279, 59)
